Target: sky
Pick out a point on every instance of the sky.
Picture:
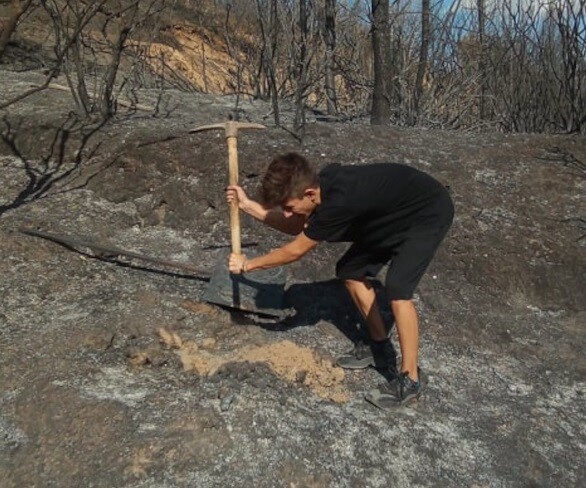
(471, 4)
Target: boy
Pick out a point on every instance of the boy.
(390, 213)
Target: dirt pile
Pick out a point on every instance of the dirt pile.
(286, 359)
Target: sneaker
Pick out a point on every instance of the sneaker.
(397, 392)
(408, 389)
(365, 354)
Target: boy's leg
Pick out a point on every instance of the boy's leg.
(364, 297)
(408, 266)
(407, 322)
(378, 351)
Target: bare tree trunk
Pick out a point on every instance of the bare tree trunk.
(80, 92)
(268, 56)
(18, 10)
(395, 91)
(570, 19)
(330, 41)
(271, 74)
(481, 59)
(423, 55)
(381, 103)
(107, 108)
(302, 61)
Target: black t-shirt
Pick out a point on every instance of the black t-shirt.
(376, 204)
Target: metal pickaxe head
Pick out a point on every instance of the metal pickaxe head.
(231, 127)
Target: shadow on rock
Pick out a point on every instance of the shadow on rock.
(53, 166)
(327, 301)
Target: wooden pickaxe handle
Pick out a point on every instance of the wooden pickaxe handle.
(231, 128)
(233, 180)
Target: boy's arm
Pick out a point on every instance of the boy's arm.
(292, 225)
(286, 254)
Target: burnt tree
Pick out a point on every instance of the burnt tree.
(381, 103)
(330, 45)
(423, 55)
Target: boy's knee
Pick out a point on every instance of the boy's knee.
(400, 304)
(349, 282)
(353, 284)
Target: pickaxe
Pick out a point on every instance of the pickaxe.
(231, 128)
(263, 291)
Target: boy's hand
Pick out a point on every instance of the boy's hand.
(237, 263)
(236, 193)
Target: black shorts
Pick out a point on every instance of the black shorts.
(409, 258)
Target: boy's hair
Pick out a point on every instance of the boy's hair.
(288, 176)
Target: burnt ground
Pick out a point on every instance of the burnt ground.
(119, 374)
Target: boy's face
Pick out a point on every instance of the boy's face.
(300, 206)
